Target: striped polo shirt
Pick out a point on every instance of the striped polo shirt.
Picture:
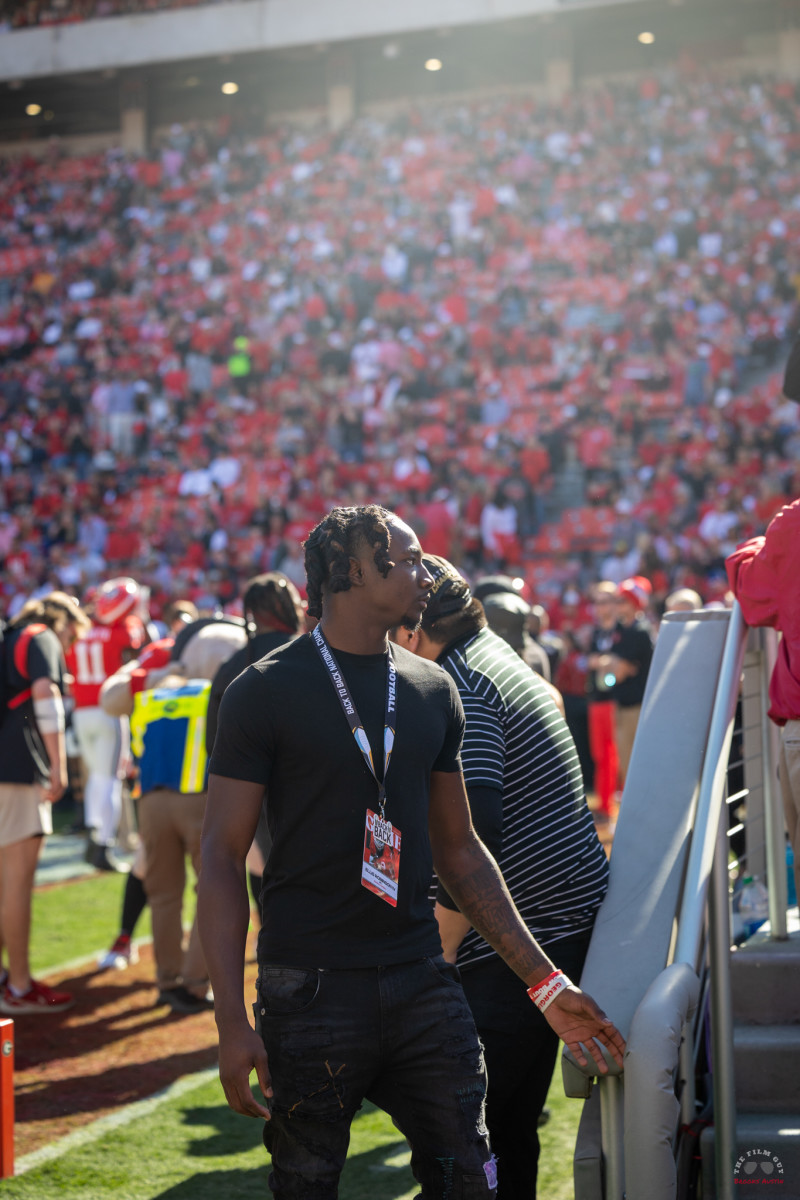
(517, 741)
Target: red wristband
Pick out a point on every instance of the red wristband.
(542, 983)
(545, 992)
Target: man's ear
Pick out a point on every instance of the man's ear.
(407, 638)
(425, 647)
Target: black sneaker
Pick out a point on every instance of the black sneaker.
(184, 1002)
(102, 858)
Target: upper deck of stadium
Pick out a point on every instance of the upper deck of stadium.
(92, 71)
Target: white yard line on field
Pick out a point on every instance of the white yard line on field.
(103, 1125)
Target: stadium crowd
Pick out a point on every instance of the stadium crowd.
(550, 340)
(477, 314)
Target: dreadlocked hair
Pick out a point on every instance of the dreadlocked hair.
(331, 544)
(274, 597)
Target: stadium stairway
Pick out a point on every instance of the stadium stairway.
(765, 986)
(651, 957)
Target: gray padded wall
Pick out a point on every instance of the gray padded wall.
(632, 936)
(634, 926)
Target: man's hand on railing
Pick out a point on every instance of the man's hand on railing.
(582, 1024)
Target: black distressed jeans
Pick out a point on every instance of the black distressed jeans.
(401, 1036)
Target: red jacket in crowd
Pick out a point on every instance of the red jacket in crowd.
(764, 574)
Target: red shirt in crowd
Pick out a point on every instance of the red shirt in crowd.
(764, 574)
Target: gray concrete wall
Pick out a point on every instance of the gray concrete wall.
(240, 27)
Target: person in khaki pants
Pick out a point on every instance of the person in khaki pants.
(764, 574)
(168, 726)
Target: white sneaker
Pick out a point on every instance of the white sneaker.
(120, 956)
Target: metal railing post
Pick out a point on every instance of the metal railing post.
(709, 801)
(719, 952)
(688, 1097)
(613, 1136)
(773, 813)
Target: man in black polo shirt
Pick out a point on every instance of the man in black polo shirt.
(357, 746)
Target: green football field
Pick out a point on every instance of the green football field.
(187, 1143)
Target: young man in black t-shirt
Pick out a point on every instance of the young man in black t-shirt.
(357, 748)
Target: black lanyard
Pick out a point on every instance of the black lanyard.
(353, 719)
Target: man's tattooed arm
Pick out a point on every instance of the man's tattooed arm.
(473, 879)
(476, 885)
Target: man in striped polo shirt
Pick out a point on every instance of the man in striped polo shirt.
(528, 805)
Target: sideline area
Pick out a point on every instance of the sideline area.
(117, 1096)
(114, 1048)
(62, 859)
(103, 1125)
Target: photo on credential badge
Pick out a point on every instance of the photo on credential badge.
(380, 870)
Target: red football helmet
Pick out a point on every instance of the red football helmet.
(115, 599)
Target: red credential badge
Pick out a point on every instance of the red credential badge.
(380, 869)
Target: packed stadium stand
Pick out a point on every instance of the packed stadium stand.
(526, 272)
(545, 325)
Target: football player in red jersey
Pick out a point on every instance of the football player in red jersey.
(117, 635)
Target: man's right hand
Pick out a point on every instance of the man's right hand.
(241, 1052)
(583, 1026)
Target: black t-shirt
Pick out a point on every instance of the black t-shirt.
(23, 757)
(635, 645)
(256, 648)
(281, 724)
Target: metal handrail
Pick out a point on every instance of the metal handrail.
(707, 858)
(703, 937)
(702, 946)
(719, 953)
(710, 802)
(773, 815)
